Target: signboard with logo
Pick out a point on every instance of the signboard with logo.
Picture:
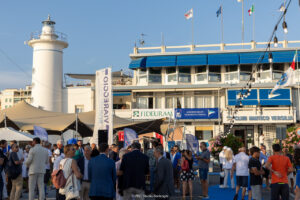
(260, 97)
(279, 97)
(234, 95)
(196, 113)
(152, 113)
(280, 115)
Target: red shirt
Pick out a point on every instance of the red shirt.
(280, 164)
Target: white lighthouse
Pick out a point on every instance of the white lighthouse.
(47, 67)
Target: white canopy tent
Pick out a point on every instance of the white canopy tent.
(10, 134)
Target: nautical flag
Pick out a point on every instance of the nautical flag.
(219, 11)
(251, 10)
(281, 8)
(189, 14)
(40, 132)
(129, 136)
(192, 143)
(287, 78)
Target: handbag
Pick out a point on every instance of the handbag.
(185, 166)
(72, 191)
(222, 174)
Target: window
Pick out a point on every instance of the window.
(214, 73)
(9, 100)
(245, 72)
(142, 76)
(158, 102)
(201, 73)
(169, 102)
(278, 70)
(265, 71)
(174, 102)
(187, 102)
(155, 75)
(150, 102)
(203, 101)
(79, 108)
(142, 102)
(171, 75)
(184, 74)
(231, 73)
(5, 100)
(203, 135)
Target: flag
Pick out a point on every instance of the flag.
(129, 136)
(287, 78)
(189, 14)
(192, 143)
(251, 10)
(40, 132)
(219, 11)
(281, 8)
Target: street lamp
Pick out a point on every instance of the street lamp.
(275, 41)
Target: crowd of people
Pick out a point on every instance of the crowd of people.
(103, 172)
(253, 166)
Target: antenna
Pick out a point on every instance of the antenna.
(141, 40)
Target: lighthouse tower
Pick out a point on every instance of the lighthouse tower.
(47, 67)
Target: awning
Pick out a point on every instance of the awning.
(9, 134)
(138, 63)
(159, 61)
(283, 56)
(191, 60)
(118, 94)
(251, 58)
(224, 59)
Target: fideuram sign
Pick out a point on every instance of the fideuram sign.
(152, 113)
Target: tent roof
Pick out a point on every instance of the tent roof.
(9, 134)
(26, 116)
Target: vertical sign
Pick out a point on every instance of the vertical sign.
(104, 104)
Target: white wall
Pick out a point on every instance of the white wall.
(78, 96)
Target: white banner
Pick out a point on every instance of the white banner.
(104, 104)
(152, 113)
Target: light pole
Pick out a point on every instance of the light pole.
(242, 21)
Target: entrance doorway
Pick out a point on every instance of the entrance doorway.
(241, 134)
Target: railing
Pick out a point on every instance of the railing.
(231, 76)
(60, 36)
(206, 47)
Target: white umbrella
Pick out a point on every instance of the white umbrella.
(10, 134)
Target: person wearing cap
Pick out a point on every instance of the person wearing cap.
(221, 161)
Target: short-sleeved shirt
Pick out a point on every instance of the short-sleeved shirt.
(15, 157)
(255, 179)
(280, 164)
(242, 161)
(263, 158)
(206, 155)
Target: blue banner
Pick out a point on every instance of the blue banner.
(192, 143)
(279, 97)
(196, 113)
(40, 132)
(129, 136)
(171, 144)
(234, 95)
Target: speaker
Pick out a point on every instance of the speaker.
(102, 136)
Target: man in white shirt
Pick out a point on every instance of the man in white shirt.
(83, 163)
(240, 164)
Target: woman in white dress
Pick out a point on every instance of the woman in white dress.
(71, 173)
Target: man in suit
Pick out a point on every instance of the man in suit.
(164, 183)
(102, 174)
(113, 154)
(83, 163)
(36, 162)
(134, 167)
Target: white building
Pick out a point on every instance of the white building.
(9, 97)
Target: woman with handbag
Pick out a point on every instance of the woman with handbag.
(71, 173)
(187, 174)
(15, 173)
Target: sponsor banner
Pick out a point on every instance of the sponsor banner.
(152, 113)
(196, 113)
(260, 97)
(104, 104)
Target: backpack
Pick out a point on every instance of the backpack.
(58, 179)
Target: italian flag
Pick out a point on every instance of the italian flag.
(251, 10)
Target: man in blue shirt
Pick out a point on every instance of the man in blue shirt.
(176, 167)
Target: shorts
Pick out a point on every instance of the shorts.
(203, 172)
(187, 175)
(267, 173)
(242, 181)
(256, 192)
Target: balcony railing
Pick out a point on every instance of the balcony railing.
(60, 36)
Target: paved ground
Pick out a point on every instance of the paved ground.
(215, 193)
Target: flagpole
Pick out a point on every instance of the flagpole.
(243, 23)
(253, 34)
(298, 82)
(193, 42)
(222, 25)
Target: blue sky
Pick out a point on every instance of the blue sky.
(102, 33)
